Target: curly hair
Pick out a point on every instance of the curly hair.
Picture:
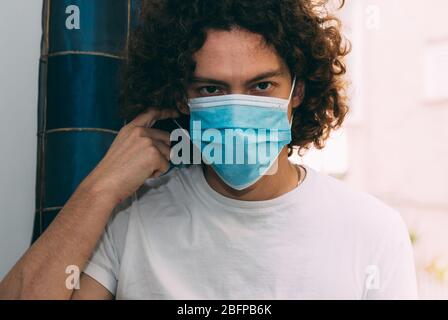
(303, 32)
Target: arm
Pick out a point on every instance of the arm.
(69, 240)
(137, 153)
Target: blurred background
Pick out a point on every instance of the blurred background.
(393, 144)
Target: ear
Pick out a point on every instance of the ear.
(184, 109)
(298, 95)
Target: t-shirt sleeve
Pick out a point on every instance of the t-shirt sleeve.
(104, 264)
(396, 275)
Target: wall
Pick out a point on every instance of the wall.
(397, 148)
(20, 33)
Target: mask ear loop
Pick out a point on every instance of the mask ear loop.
(135, 192)
(187, 136)
(290, 150)
(289, 100)
(292, 89)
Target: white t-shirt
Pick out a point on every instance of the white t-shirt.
(180, 239)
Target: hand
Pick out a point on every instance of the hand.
(137, 153)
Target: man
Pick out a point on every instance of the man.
(217, 230)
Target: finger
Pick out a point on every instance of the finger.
(143, 118)
(157, 134)
(168, 114)
(151, 115)
(162, 168)
(163, 149)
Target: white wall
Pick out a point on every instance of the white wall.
(398, 151)
(20, 33)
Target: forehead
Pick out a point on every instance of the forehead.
(237, 53)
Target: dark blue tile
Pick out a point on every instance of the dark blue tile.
(103, 26)
(83, 92)
(69, 158)
(48, 217)
(136, 6)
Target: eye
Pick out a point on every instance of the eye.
(209, 90)
(263, 86)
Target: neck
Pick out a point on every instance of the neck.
(268, 187)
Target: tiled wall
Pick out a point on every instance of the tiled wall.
(83, 47)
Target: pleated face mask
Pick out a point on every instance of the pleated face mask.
(239, 135)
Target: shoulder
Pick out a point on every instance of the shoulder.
(354, 210)
(169, 189)
(358, 225)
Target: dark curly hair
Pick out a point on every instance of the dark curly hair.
(303, 32)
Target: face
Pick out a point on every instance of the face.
(239, 62)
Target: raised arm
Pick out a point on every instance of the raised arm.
(136, 154)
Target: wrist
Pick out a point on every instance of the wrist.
(99, 191)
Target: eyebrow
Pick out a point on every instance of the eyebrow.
(261, 76)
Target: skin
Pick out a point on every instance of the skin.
(138, 153)
(220, 70)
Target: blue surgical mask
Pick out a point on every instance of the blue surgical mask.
(239, 135)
